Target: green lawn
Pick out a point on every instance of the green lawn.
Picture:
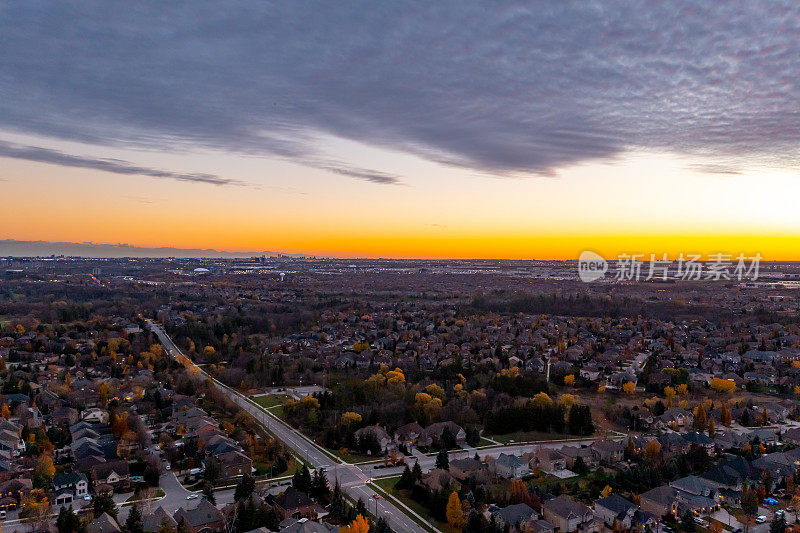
(273, 400)
(387, 486)
(529, 436)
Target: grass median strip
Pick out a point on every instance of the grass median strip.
(385, 487)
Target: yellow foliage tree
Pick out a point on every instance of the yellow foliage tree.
(569, 380)
(455, 516)
(435, 390)
(395, 376)
(683, 389)
(606, 491)
(359, 525)
(722, 385)
(653, 450)
(542, 400)
(629, 387)
(350, 417)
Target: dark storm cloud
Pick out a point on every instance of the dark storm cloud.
(116, 166)
(504, 88)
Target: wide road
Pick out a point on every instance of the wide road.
(350, 477)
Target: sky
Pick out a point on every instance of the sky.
(404, 129)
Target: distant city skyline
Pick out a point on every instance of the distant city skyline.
(446, 130)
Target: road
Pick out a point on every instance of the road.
(351, 478)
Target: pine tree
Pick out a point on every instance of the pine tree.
(134, 523)
(416, 472)
(244, 488)
(443, 460)
(778, 524)
(302, 480)
(319, 485)
(406, 480)
(208, 492)
(337, 502)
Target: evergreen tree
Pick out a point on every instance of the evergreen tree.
(68, 521)
(104, 503)
(382, 526)
(778, 524)
(134, 523)
(302, 480)
(443, 460)
(338, 507)
(208, 492)
(406, 480)
(244, 488)
(319, 485)
(416, 472)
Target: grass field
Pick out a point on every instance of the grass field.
(387, 486)
(272, 400)
(529, 436)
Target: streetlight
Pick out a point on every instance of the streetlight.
(376, 497)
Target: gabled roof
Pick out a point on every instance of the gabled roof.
(564, 507)
(616, 504)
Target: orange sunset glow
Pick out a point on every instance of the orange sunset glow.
(355, 153)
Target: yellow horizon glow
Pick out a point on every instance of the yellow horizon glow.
(637, 203)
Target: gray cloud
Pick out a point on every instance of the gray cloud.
(367, 175)
(116, 166)
(503, 87)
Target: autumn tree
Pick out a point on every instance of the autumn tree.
(455, 515)
(350, 418)
(629, 387)
(43, 472)
(725, 414)
(359, 525)
(700, 421)
(652, 451)
(36, 509)
(722, 385)
(569, 380)
(669, 392)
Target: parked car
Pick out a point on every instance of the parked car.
(761, 519)
(770, 501)
(192, 497)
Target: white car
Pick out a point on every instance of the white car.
(192, 497)
(761, 519)
(168, 467)
(87, 497)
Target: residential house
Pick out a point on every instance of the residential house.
(293, 503)
(509, 466)
(234, 463)
(104, 523)
(615, 511)
(517, 516)
(205, 518)
(569, 516)
(660, 501)
(608, 451)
